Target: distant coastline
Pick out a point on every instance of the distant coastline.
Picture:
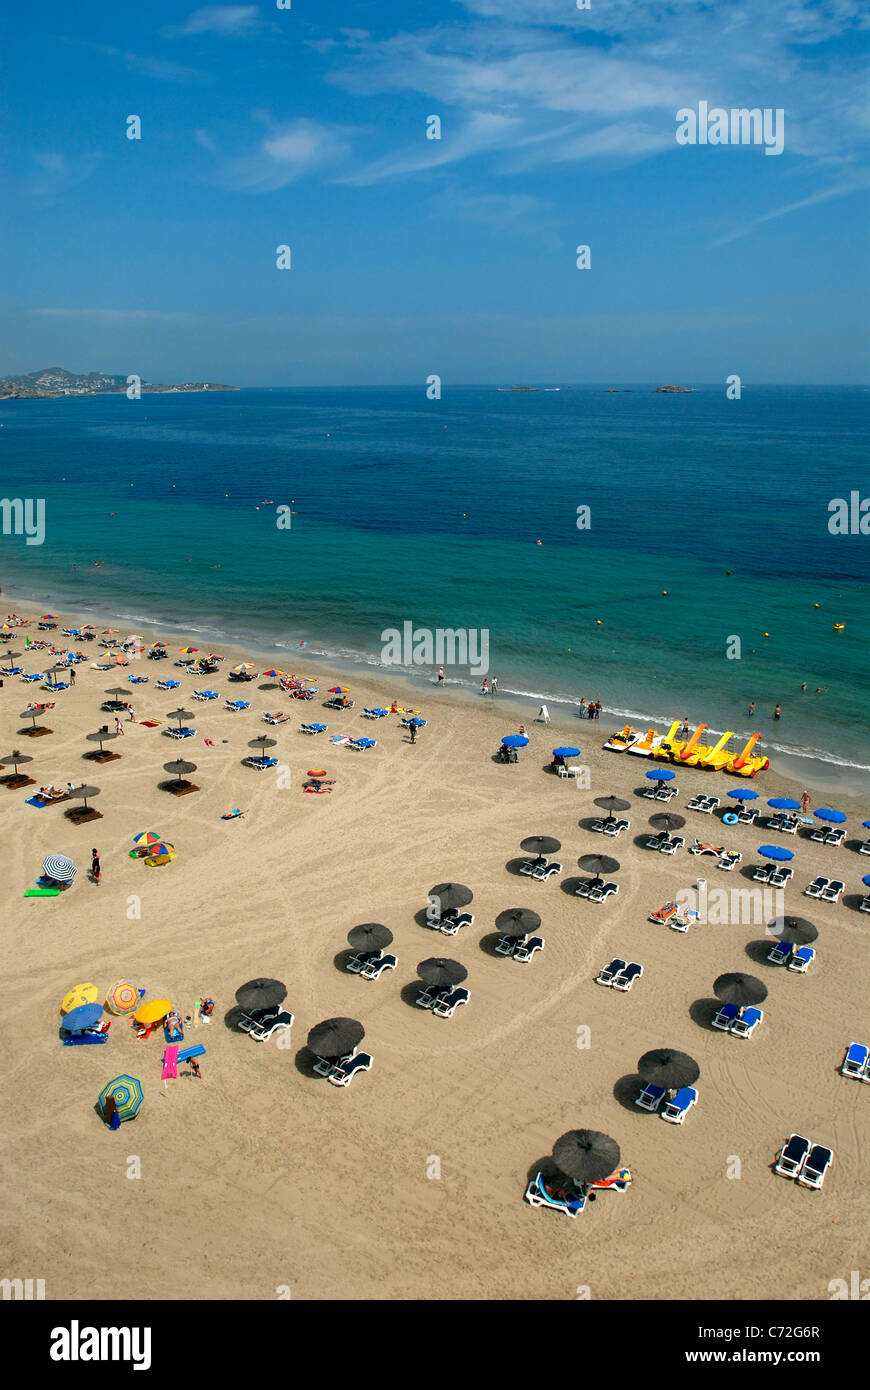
(57, 382)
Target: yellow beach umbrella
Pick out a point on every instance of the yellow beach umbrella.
(154, 1011)
(242, 668)
(122, 998)
(79, 994)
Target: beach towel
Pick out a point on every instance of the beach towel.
(170, 1063)
(35, 801)
(150, 723)
(42, 893)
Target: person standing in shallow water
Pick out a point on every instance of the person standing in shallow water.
(777, 713)
(751, 709)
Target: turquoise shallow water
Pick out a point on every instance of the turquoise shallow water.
(429, 512)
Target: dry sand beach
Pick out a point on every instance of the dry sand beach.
(259, 1176)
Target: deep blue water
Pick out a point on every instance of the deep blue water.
(429, 511)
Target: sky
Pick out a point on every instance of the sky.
(307, 127)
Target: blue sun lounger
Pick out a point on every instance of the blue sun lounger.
(650, 1097)
(237, 705)
(84, 1039)
(205, 695)
(375, 713)
(676, 1110)
(168, 685)
(183, 732)
(313, 728)
(360, 743)
(724, 1018)
(537, 1195)
(855, 1061)
(261, 764)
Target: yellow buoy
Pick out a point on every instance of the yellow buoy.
(598, 622)
(665, 592)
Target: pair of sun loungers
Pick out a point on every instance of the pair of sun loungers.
(236, 705)
(705, 804)
(801, 1159)
(856, 1062)
(660, 792)
(619, 974)
(276, 717)
(359, 744)
(610, 826)
(769, 873)
(726, 858)
(167, 685)
(596, 890)
(674, 916)
(665, 843)
(674, 1110)
(342, 1072)
(519, 948)
(183, 732)
(537, 1193)
(371, 964)
(741, 1022)
(827, 890)
(827, 835)
(450, 921)
(260, 764)
(797, 958)
(443, 1002)
(785, 824)
(376, 712)
(540, 869)
(262, 1024)
(313, 728)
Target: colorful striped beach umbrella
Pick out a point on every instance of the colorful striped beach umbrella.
(78, 995)
(274, 674)
(126, 1091)
(187, 651)
(146, 837)
(58, 867)
(122, 998)
(339, 690)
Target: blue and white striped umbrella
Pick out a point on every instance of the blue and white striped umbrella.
(58, 867)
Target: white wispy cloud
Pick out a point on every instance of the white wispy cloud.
(286, 153)
(53, 173)
(222, 19)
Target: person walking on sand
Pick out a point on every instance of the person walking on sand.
(805, 802)
(777, 713)
(119, 727)
(484, 689)
(130, 715)
(543, 715)
(493, 689)
(72, 675)
(413, 730)
(96, 871)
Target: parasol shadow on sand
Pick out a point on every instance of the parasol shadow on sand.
(15, 780)
(80, 815)
(101, 754)
(178, 784)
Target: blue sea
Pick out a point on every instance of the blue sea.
(461, 513)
